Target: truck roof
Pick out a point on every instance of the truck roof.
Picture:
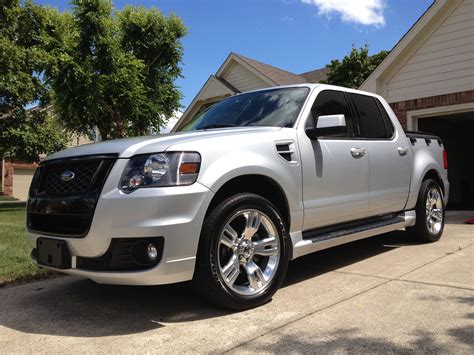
(314, 86)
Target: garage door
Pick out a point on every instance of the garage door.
(456, 131)
(21, 182)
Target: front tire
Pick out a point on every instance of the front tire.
(430, 213)
(243, 253)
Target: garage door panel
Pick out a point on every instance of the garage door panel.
(21, 183)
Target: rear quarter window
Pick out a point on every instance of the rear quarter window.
(386, 119)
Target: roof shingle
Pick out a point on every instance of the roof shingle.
(284, 77)
(279, 76)
(315, 76)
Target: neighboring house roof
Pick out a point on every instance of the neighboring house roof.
(279, 76)
(47, 108)
(315, 76)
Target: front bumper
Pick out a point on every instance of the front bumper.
(174, 213)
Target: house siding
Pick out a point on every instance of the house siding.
(212, 89)
(78, 140)
(443, 64)
(243, 79)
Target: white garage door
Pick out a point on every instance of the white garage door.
(21, 183)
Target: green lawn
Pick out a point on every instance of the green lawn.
(8, 198)
(15, 261)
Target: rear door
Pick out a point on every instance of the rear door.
(389, 155)
(335, 168)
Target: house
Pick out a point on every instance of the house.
(239, 74)
(428, 79)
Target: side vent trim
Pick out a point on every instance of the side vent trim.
(287, 151)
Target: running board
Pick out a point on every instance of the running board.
(327, 237)
(320, 235)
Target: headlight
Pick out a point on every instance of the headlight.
(160, 169)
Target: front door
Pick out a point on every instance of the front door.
(335, 168)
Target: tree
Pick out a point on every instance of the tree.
(117, 69)
(27, 34)
(354, 67)
(24, 136)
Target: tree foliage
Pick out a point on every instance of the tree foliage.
(27, 35)
(117, 69)
(354, 68)
(24, 136)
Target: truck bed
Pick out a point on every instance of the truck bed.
(428, 137)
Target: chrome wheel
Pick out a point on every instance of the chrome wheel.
(248, 252)
(434, 211)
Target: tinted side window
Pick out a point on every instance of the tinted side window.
(371, 122)
(386, 119)
(330, 102)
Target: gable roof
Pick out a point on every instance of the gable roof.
(315, 76)
(271, 74)
(277, 75)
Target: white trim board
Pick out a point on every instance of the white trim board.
(415, 115)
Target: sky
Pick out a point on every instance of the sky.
(295, 35)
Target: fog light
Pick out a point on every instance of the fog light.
(146, 252)
(152, 252)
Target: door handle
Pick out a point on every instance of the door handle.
(402, 151)
(358, 152)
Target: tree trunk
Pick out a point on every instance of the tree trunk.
(118, 120)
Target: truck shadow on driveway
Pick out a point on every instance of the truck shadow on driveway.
(70, 306)
(332, 259)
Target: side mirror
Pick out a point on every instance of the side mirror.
(328, 126)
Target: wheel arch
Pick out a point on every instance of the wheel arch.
(436, 176)
(425, 167)
(259, 184)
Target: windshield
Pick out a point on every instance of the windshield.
(274, 107)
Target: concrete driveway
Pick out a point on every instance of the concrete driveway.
(382, 294)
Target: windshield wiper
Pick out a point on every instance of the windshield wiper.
(217, 126)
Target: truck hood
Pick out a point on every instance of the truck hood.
(127, 147)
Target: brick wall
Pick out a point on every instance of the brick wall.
(401, 108)
(8, 178)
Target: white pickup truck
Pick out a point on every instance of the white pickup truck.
(235, 193)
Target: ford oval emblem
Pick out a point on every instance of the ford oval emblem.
(67, 175)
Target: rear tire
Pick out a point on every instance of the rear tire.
(243, 253)
(430, 213)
